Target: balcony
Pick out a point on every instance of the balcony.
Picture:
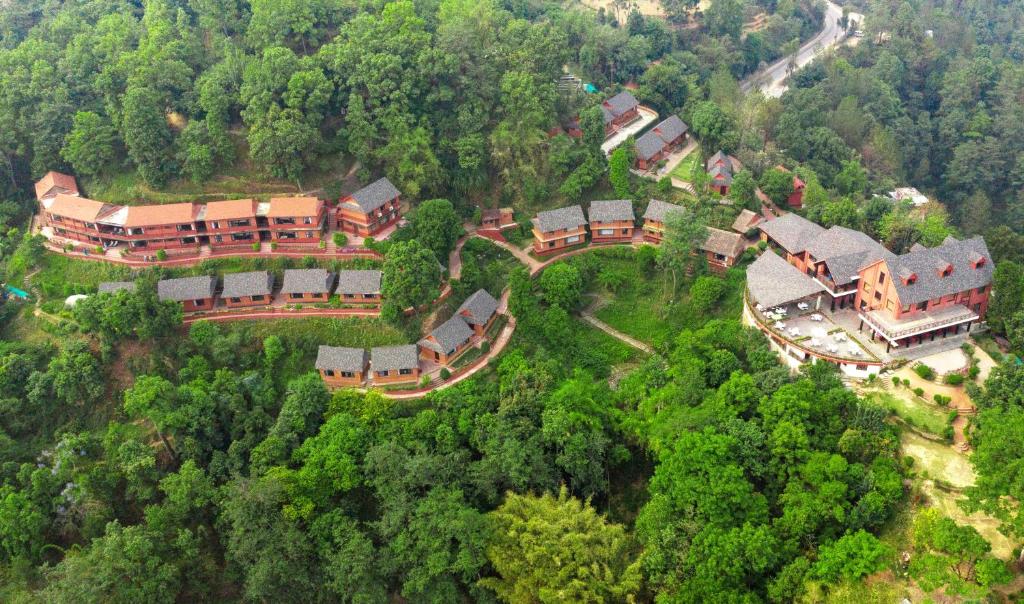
(920, 322)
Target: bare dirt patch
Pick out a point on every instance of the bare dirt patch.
(939, 460)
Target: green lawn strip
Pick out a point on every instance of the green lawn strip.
(687, 168)
(467, 357)
(924, 416)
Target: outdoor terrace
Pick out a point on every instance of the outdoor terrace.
(814, 331)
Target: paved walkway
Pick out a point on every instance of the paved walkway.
(608, 329)
(646, 117)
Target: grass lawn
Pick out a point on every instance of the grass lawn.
(467, 357)
(915, 412)
(357, 332)
(687, 168)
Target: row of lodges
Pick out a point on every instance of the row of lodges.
(613, 221)
(289, 221)
(339, 366)
(258, 288)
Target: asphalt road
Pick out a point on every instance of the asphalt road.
(770, 79)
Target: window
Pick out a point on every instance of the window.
(889, 305)
(184, 227)
(285, 235)
(329, 372)
(239, 236)
(295, 296)
(551, 244)
(606, 232)
(238, 223)
(236, 300)
(867, 288)
(215, 225)
(56, 218)
(218, 239)
(347, 374)
(307, 220)
(881, 278)
(284, 221)
(862, 367)
(572, 239)
(922, 305)
(199, 302)
(383, 373)
(257, 298)
(404, 371)
(625, 231)
(981, 289)
(878, 295)
(350, 295)
(947, 271)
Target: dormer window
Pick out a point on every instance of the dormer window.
(910, 280)
(980, 262)
(947, 271)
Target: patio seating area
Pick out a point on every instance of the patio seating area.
(813, 330)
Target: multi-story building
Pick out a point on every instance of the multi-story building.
(296, 220)
(341, 367)
(721, 167)
(54, 184)
(371, 209)
(157, 227)
(611, 221)
(231, 223)
(77, 218)
(654, 219)
(554, 230)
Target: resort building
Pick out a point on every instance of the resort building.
(618, 111)
(359, 287)
(248, 289)
(371, 209)
(194, 293)
(659, 142)
(554, 230)
(886, 305)
(721, 167)
(722, 249)
(746, 222)
(231, 223)
(54, 184)
(340, 367)
(654, 219)
(611, 221)
(296, 220)
(497, 218)
(446, 342)
(394, 364)
(479, 311)
(307, 285)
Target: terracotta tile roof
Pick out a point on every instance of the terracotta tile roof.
(78, 208)
(230, 210)
(159, 215)
(287, 207)
(55, 180)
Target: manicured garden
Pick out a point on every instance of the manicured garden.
(688, 168)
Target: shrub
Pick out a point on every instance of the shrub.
(273, 245)
(98, 249)
(953, 379)
(308, 262)
(485, 347)
(947, 433)
(256, 246)
(161, 255)
(951, 417)
(424, 381)
(919, 391)
(323, 244)
(941, 400)
(445, 374)
(896, 381)
(924, 372)
(906, 382)
(340, 239)
(973, 372)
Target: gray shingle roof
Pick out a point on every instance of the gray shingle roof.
(341, 359)
(393, 358)
(358, 282)
(930, 284)
(186, 288)
(307, 281)
(657, 210)
(845, 251)
(562, 218)
(110, 287)
(792, 231)
(478, 308)
(255, 283)
(649, 145)
(617, 105)
(448, 335)
(610, 210)
(720, 157)
(723, 242)
(720, 175)
(671, 128)
(375, 194)
(745, 221)
(772, 281)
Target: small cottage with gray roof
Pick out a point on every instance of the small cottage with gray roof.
(618, 111)
(554, 230)
(112, 287)
(371, 209)
(307, 285)
(658, 142)
(253, 288)
(359, 286)
(447, 341)
(479, 311)
(721, 167)
(340, 366)
(722, 248)
(194, 293)
(611, 221)
(394, 364)
(654, 219)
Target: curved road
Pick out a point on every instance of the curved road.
(770, 80)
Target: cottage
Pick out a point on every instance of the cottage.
(55, 183)
(112, 287)
(371, 209)
(479, 311)
(554, 230)
(194, 293)
(659, 142)
(341, 366)
(231, 223)
(722, 248)
(721, 167)
(359, 287)
(394, 364)
(618, 111)
(746, 222)
(497, 218)
(296, 220)
(307, 285)
(611, 221)
(248, 289)
(445, 343)
(654, 219)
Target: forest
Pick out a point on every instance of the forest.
(142, 459)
